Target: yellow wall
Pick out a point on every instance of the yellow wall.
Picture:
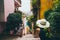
(45, 4)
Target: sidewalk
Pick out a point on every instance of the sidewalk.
(26, 37)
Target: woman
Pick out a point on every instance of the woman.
(25, 24)
(43, 23)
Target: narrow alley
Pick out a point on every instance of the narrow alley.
(26, 37)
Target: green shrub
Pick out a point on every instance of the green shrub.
(54, 18)
(13, 20)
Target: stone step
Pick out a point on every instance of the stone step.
(27, 39)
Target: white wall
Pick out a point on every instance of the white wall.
(8, 7)
(25, 6)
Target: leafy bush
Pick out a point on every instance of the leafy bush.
(53, 16)
(36, 7)
(13, 20)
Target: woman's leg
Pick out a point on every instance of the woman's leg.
(24, 31)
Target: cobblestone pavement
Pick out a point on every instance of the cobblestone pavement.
(26, 37)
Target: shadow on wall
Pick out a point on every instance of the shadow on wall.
(2, 26)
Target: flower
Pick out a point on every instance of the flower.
(43, 23)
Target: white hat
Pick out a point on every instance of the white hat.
(43, 23)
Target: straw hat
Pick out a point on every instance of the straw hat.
(43, 23)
